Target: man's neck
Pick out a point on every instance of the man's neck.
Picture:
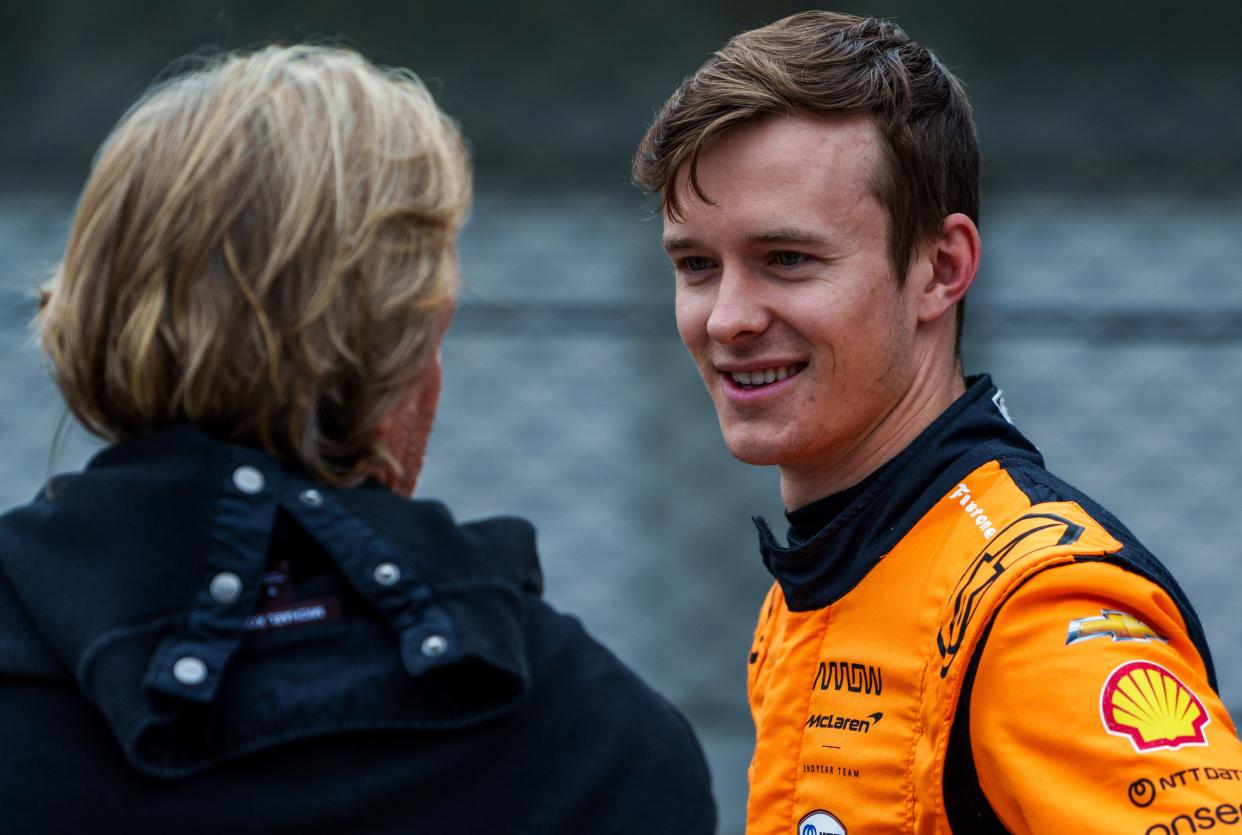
(925, 400)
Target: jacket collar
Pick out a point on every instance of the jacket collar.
(821, 570)
(115, 567)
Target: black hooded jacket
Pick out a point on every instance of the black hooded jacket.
(195, 639)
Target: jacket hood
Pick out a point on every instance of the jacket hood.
(119, 569)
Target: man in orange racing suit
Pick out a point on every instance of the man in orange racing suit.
(956, 639)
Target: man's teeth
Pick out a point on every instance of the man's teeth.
(764, 376)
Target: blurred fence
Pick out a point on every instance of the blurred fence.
(1113, 323)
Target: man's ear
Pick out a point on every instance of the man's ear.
(954, 259)
(405, 429)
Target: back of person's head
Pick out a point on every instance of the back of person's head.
(832, 65)
(265, 248)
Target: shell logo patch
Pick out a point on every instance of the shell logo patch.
(1120, 626)
(1150, 706)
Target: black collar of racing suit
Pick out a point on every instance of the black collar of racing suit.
(863, 523)
(807, 521)
(115, 567)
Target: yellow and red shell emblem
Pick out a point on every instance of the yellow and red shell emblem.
(1151, 707)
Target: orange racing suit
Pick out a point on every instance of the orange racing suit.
(971, 645)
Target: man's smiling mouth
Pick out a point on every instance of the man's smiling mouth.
(765, 376)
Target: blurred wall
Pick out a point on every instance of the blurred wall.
(557, 93)
(1109, 305)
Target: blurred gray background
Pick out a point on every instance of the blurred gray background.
(1109, 305)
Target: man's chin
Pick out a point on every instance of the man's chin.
(760, 453)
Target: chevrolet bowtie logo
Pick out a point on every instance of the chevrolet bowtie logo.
(1120, 626)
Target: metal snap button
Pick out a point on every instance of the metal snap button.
(248, 479)
(190, 670)
(311, 497)
(225, 587)
(387, 574)
(435, 645)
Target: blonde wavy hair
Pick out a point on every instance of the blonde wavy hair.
(265, 248)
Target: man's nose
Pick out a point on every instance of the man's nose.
(739, 311)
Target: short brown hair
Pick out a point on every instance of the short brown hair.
(831, 64)
(266, 248)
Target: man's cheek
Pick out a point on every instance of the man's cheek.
(691, 326)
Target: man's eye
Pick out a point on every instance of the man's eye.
(789, 259)
(695, 263)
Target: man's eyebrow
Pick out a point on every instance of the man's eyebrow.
(674, 243)
(787, 235)
(779, 235)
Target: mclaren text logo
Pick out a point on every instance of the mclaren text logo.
(847, 675)
(835, 722)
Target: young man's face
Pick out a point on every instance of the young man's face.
(786, 297)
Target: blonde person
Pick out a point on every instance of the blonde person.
(235, 619)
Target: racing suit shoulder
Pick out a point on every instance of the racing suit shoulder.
(1042, 486)
(1091, 697)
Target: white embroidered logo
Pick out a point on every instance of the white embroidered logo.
(962, 493)
(820, 822)
(999, 400)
